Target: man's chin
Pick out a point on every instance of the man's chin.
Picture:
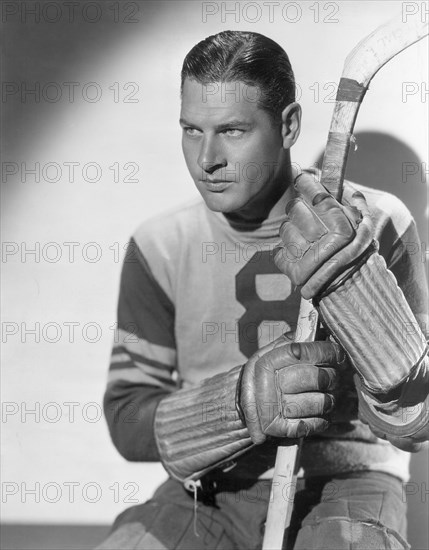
(219, 203)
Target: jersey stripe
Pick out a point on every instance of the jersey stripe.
(140, 347)
(144, 308)
(120, 354)
(135, 375)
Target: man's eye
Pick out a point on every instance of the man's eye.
(191, 131)
(233, 132)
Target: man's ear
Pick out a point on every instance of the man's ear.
(291, 124)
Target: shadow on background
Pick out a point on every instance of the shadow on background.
(42, 52)
(385, 162)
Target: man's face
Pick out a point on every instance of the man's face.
(232, 148)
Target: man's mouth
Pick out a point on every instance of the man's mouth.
(216, 185)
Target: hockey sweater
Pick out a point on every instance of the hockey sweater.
(200, 294)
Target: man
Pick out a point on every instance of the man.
(202, 376)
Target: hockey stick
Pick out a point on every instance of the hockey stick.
(360, 66)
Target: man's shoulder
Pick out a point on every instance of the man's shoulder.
(388, 211)
(169, 223)
(382, 200)
(173, 233)
(163, 240)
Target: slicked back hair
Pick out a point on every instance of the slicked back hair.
(249, 57)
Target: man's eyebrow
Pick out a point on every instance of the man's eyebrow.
(234, 123)
(184, 122)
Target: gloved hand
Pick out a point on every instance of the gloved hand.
(359, 302)
(284, 390)
(321, 237)
(287, 391)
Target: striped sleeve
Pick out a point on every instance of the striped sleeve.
(143, 362)
(406, 260)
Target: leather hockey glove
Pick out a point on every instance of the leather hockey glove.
(328, 250)
(284, 390)
(288, 391)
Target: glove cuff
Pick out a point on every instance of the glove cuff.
(403, 419)
(199, 429)
(370, 318)
(342, 277)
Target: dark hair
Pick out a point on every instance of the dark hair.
(248, 57)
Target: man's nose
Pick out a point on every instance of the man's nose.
(211, 157)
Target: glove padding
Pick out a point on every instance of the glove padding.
(370, 317)
(321, 237)
(287, 391)
(199, 429)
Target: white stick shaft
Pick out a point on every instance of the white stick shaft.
(287, 463)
